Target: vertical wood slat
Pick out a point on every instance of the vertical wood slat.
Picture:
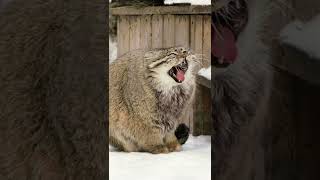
(157, 31)
(206, 47)
(191, 119)
(192, 32)
(197, 34)
(169, 31)
(182, 30)
(205, 100)
(123, 35)
(134, 32)
(196, 42)
(145, 32)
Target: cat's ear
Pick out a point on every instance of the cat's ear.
(152, 65)
(154, 58)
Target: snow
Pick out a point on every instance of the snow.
(192, 163)
(195, 2)
(303, 36)
(205, 72)
(112, 49)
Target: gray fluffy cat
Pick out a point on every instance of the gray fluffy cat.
(241, 87)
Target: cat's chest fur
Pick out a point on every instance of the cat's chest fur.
(170, 106)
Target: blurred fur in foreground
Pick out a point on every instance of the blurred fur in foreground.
(52, 103)
(240, 95)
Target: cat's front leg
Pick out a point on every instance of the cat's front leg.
(153, 143)
(172, 142)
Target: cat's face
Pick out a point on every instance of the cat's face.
(229, 19)
(172, 67)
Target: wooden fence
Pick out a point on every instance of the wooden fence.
(168, 26)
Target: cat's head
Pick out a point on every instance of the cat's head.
(237, 25)
(171, 67)
(229, 18)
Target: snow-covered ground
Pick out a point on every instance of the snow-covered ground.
(192, 163)
(304, 36)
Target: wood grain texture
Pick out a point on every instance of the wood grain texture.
(123, 35)
(182, 30)
(197, 33)
(169, 29)
(145, 32)
(134, 32)
(206, 47)
(157, 31)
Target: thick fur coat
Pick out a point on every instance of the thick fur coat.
(145, 102)
(52, 86)
(240, 94)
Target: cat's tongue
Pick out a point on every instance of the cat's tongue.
(224, 44)
(180, 75)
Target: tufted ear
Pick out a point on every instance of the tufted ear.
(154, 58)
(156, 63)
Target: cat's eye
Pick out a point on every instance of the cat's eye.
(172, 53)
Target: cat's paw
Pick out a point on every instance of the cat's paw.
(160, 150)
(174, 146)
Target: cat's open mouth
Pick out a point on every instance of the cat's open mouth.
(178, 72)
(227, 23)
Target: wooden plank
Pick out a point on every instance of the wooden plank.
(206, 110)
(191, 118)
(202, 121)
(134, 32)
(168, 31)
(203, 81)
(197, 106)
(123, 35)
(157, 31)
(206, 47)
(146, 32)
(194, 9)
(192, 32)
(197, 34)
(201, 108)
(182, 30)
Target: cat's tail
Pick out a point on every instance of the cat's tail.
(182, 133)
